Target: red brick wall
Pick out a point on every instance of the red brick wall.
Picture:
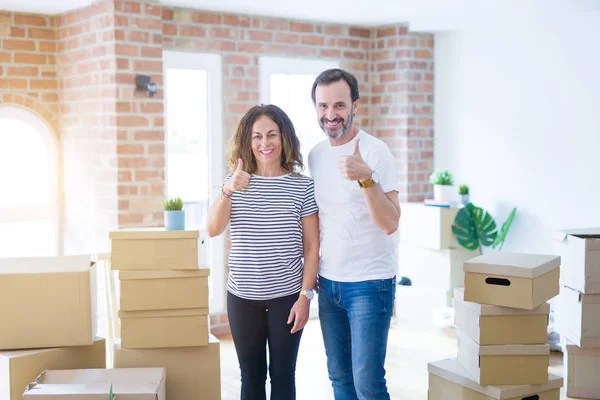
(86, 75)
(28, 64)
(402, 104)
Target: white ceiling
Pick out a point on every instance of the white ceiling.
(421, 14)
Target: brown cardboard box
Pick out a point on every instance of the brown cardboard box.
(193, 372)
(157, 249)
(37, 292)
(429, 227)
(581, 368)
(577, 317)
(449, 381)
(504, 364)
(516, 280)
(20, 367)
(488, 325)
(163, 290)
(164, 328)
(95, 384)
(579, 251)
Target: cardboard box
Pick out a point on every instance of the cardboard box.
(577, 317)
(579, 250)
(38, 292)
(581, 368)
(427, 226)
(95, 384)
(449, 381)
(441, 269)
(193, 372)
(513, 364)
(157, 249)
(163, 290)
(516, 280)
(164, 328)
(494, 325)
(20, 367)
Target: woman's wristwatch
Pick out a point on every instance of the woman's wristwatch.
(309, 293)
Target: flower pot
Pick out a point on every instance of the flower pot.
(443, 193)
(464, 199)
(175, 220)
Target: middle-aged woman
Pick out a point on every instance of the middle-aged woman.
(274, 256)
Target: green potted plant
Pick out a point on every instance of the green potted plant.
(463, 193)
(174, 214)
(475, 228)
(443, 186)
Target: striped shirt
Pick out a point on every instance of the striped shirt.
(266, 256)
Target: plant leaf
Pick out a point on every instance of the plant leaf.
(504, 230)
(474, 227)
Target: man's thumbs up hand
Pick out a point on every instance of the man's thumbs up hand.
(353, 167)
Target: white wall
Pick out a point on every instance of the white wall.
(517, 118)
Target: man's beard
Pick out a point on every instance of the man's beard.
(341, 131)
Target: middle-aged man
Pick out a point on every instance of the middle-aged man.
(356, 188)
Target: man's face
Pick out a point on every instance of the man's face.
(335, 110)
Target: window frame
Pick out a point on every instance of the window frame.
(212, 63)
(53, 212)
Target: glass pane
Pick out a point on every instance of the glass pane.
(30, 238)
(24, 166)
(187, 141)
(291, 92)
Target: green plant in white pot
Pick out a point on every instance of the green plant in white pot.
(443, 186)
(463, 193)
(174, 214)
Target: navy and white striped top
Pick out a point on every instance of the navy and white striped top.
(266, 256)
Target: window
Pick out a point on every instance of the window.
(288, 83)
(194, 147)
(29, 219)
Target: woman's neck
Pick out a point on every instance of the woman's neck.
(270, 170)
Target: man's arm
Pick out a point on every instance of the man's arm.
(384, 208)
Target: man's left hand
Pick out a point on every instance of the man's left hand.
(299, 314)
(353, 167)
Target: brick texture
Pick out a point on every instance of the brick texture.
(402, 104)
(86, 70)
(28, 65)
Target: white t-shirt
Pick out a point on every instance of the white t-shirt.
(353, 248)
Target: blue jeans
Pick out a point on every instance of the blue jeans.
(355, 320)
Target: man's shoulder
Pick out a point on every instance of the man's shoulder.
(373, 141)
(318, 149)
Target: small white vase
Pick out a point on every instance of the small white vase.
(443, 193)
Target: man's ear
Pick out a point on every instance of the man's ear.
(355, 106)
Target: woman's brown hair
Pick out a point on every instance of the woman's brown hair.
(240, 145)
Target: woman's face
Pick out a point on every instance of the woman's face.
(266, 142)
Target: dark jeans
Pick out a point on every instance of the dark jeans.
(254, 324)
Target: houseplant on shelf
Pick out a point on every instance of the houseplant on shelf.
(443, 189)
(174, 214)
(463, 193)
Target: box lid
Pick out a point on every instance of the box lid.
(45, 265)
(503, 349)
(452, 371)
(181, 312)
(77, 383)
(163, 274)
(154, 233)
(584, 233)
(583, 298)
(523, 265)
(487, 309)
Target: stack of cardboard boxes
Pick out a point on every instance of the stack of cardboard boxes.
(501, 320)
(164, 309)
(432, 258)
(577, 310)
(48, 314)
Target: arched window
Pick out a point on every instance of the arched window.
(29, 217)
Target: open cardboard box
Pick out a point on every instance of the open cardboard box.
(47, 302)
(577, 317)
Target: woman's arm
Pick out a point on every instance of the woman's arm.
(218, 216)
(310, 239)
